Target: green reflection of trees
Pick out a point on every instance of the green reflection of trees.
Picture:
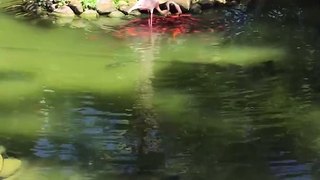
(229, 120)
(206, 118)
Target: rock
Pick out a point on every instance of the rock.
(123, 6)
(9, 166)
(1, 160)
(90, 14)
(131, 3)
(76, 6)
(116, 14)
(40, 11)
(196, 8)
(105, 6)
(30, 7)
(63, 11)
(50, 6)
(206, 4)
(221, 1)
(194, 1)
(2, 150)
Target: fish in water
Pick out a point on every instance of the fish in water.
(172, 25)
(150, 5)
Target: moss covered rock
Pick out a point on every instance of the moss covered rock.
(76, 6)
(63, 11)
(116, 14)
(90, 14)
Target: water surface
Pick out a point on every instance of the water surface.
(233, 97)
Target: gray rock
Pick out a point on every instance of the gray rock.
(30, 7)
(90, 14)
(76, 6)
(116, 14)
(196, 8)
(63, 11)
(206, 4)
(105, 6)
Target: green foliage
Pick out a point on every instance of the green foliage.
(62, 3)
(91, 4)
(118, 2)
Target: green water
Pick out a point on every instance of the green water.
(238, 104)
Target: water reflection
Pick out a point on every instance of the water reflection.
(78, 131)
(150, 150)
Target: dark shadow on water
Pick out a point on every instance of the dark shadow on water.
(15, 76)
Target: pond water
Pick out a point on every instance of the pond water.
(226, 96)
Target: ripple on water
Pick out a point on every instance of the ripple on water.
(82, 126)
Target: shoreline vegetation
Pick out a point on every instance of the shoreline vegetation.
(93, 9)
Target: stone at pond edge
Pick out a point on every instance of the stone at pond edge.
(221, 1)
(196, 8)
(206, 4)
(63, 11)
(2, 150)
(123, 6)
(116, 14)
(1, 162)
(76, 6)
(89, 14)
(9, 166)
(105, 6)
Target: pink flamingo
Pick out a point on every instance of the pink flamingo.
(150, 5)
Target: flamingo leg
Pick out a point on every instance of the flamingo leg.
(151, 16)
(149, 24)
